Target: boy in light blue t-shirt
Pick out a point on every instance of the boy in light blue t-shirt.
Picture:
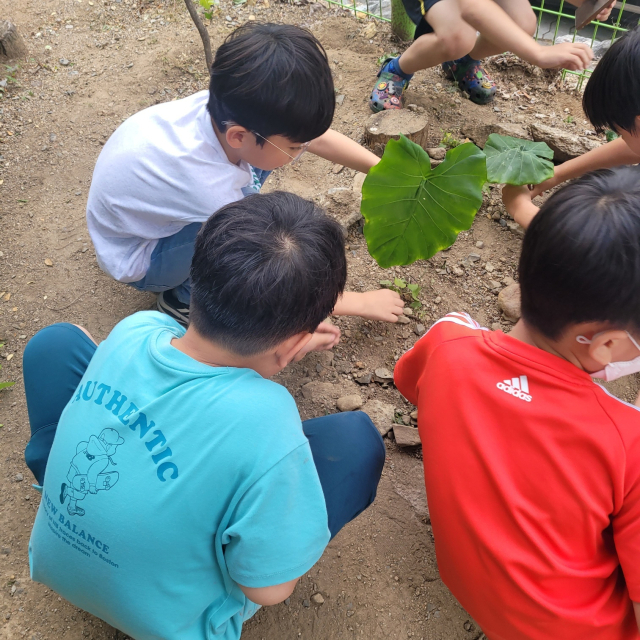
(181, 489)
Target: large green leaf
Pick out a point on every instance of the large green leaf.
(412, 212)
(516, 161)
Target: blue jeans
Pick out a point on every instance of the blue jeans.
(171, 258)
(347, 449)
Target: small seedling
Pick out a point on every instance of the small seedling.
(449, 141)
(408, 292)
(610, 135)
(4, 385)
(569, 119)
(208, 6)
(385, 56)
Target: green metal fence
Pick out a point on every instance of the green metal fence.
(550, 22)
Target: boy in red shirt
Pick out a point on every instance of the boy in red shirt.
(532, 470)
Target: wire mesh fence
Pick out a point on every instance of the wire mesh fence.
(556, 23)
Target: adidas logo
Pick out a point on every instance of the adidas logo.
(517, 387)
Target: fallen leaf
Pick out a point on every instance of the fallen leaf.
(48, 262)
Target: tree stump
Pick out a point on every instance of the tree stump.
(11, 44)
(383, 126)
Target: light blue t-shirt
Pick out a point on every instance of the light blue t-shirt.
(169, 483)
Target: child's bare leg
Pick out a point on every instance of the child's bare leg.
(452, 39)
(521, 13)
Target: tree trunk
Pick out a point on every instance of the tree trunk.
(204, 34)
(383, 126)
(11, 43)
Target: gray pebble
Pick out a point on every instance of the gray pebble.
(19, 477)
(420, 329)
(64, 62)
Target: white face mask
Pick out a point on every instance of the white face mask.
(615, 370)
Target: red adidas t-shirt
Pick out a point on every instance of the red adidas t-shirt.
(533, 482)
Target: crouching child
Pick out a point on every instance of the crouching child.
(180, 489)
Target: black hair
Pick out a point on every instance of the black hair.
(612, 97)
(580, 257)
(264, 269)
(272, 79)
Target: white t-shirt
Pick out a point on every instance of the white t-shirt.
(161, 170)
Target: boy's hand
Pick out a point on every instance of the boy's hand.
(574, 56)
(384, 304)
(606, 12)
(538, 189)
(517, 202)
(325, 337)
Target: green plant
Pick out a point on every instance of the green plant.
(385, 56)
(208, 6)
(409, 292)
(610, 135)
(412, 211)
(449, 141)
(515, 161)
(569, 119)
(4, 385)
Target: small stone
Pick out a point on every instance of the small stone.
(369, 31)
(287, 601)
(480, 244)
(412, 107)
(64, 62)
(474, 257)
(403, 320)
(457, 271)
(509, 302)
(408, 311)
(514, 227)
(340, 99)
(437, 153)
(507, 281)
(384, 374)
(406, 436)
(349, 403)
(489, 268)
(381, 414)
(496, 326)
(438, 300)
(337, 168)
(78, 193)
(19, 477)
(430, 607)
(438, 85)
(503, 222)
(48, 262)
(406, 419)
(419, 329)
(52, 137)
(252, 17)
(495, 215)
(494, 284)
(364, 379)
(317, 598)
(306, 603)
(414, 414)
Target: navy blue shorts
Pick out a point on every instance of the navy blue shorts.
(417, 10)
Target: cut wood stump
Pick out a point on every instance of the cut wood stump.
(383, 126)
(11, 43)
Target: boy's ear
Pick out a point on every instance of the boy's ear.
(286, 351)
(235, 136)
(602, 344)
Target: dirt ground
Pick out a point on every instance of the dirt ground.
(91, 65)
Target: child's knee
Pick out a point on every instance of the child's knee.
(457, 44)
(370, 449)
(528, 22)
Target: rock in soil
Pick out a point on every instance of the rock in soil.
(479, 133)
(384, 374)
(344, 206)
(11, 43)
(437, 153)
(364, 378)
(349, 403)
(406, 436)
(381, 414)
(565, 145)
(383, 126)
(509, 302)
(317, 598)
(318, 391)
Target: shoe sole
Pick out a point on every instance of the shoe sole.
(171, 311)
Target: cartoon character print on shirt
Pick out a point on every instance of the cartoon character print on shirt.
(88, 471)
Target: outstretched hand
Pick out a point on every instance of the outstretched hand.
(383, 304)
(574, 56)
(325, 337)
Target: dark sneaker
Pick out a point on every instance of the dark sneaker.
(387, 93)
(75, 511)
(472, 78)
(169, 304)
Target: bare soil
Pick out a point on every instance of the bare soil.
(93, 63)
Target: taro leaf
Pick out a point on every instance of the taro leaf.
(516, 161)
(412, 212)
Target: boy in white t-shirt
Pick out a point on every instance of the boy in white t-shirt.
(166, 169)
